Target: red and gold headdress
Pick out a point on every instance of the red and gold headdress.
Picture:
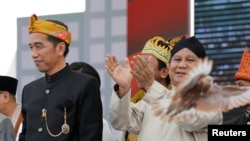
(49, 28)
(244, 68)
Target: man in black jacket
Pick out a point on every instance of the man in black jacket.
(63, 105)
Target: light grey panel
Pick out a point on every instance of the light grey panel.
(26, 60)
(119, 4)
(25, 35)
(97, 28)
(120, 50)
(73, 55)
(118, 26)
(97, 53)
(97, 5)
(74, 27)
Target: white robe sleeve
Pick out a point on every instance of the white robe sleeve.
(125, 115)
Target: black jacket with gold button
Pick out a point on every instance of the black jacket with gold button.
(67, 98)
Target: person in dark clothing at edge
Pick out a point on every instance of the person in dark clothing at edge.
(242, 78)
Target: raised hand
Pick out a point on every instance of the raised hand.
(121, 75)
(142, 71)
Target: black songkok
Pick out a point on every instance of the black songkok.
(192, 44)
(8, 84)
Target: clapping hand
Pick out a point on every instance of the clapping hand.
(142, 71)
(121, 75)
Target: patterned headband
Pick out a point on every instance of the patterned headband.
(49, 28)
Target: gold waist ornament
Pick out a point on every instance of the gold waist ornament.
(65, 127)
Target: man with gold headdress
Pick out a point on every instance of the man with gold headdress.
(63, 105)
(136, 117)
(242, 78)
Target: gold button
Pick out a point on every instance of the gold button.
(248, 123)
(47, 91)
(40, 129)
(43, 110)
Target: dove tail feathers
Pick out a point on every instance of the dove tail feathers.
(181, 116)
(161, 108)
(155, 107)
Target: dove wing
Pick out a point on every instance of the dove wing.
(223, 98)
(160, 107)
